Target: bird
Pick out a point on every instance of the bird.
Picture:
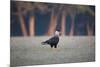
(53, 41)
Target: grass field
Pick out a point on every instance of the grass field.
(30, 51)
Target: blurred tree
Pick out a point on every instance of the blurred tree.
(56, 10)
(63, 18)
(21, 18)
(91, 13)
(53, 20)
(73, 10)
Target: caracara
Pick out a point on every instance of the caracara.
(53, 41)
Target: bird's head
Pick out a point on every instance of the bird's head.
(57, 33)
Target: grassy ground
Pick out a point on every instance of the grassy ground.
(29, 51)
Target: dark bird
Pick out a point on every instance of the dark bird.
(53, 41)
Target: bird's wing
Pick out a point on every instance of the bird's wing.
(49, 40)
(53, 40)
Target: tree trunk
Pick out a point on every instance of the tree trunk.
(72, 26)
(89, 31)
(22, 23)
(91, 12)
(52, 25)
(63, 24)
(32, 26)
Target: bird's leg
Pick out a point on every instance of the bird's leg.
(55, 46)
(51, 46)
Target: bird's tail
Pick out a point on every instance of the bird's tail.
(43, 43)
